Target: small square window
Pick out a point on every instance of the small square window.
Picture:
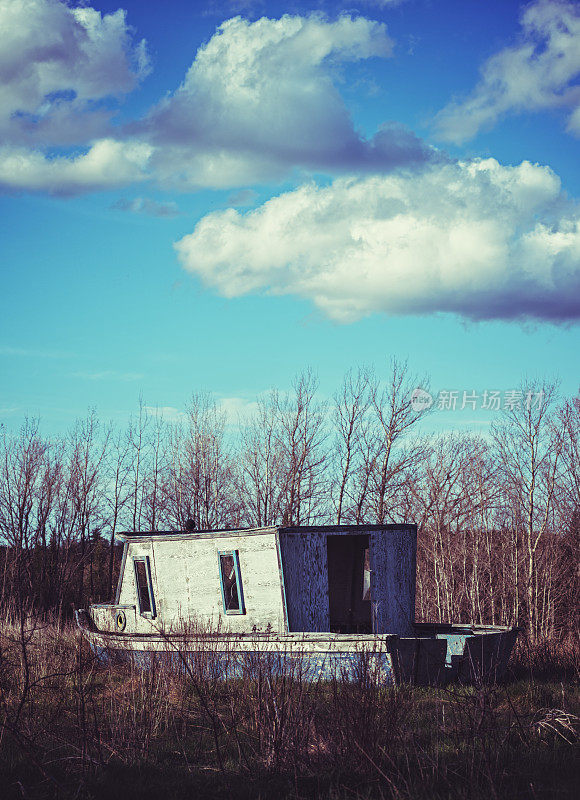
(231, 583)
(144, 587)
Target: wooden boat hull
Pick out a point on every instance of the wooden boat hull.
(437, 655)
(472, 653)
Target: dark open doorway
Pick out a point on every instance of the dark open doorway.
(349, 584)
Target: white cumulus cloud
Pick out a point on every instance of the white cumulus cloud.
(474, 238)
(106, 165)
(260, 98)
(54, 60)
(540, 72)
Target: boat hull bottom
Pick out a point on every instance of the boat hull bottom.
(310, 667)
(436, 656)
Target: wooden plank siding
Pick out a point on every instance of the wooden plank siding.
(393, 559)
(393, 554)
(304, 563)
(186, 582)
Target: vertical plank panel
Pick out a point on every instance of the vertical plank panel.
(304, 561)
(393, 564)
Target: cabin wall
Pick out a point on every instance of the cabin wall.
(304, 564)
(186, 582)
(393, 560)
(393, 554)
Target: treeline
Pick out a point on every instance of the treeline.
(498, 515)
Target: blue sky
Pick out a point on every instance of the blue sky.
(320, 185)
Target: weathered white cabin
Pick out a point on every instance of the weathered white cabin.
(339, 579)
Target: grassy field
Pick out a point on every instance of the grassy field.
(73, 728)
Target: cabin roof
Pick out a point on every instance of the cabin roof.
(241, 532)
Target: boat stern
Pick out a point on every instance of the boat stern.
(472, 653)
(111, 618)
(107, 619)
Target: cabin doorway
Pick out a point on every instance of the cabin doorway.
(349, 591)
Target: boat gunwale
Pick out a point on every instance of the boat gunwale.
(292, 637)
(172, 637)
(463, 627)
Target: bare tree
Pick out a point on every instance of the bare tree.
(390, 454)
(88, 451)
(567, 568)
(22, 464)
(568, 421)
(528, 447)
(119, 491)
(201, 480)
(137, 438)
(351, 406)
(154, 474)
(262, 464)
(301, 440)
(443, 507)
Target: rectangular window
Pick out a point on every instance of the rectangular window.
(144, 587)
(231, 583)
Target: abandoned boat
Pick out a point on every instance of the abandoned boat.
(328, 598)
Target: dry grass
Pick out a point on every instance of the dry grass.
(550, 659)
(71, 727)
